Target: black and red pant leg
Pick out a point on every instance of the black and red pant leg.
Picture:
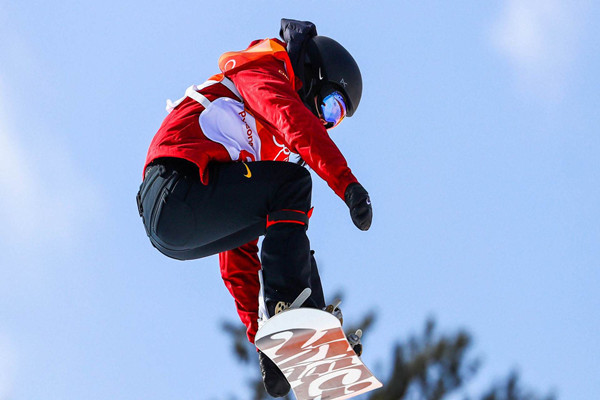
(187, 220)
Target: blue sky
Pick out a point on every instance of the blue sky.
(477, 137)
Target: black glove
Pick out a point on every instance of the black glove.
(357, 200)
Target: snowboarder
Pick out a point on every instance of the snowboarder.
(216, 177)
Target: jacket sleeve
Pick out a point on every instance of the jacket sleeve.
(270, 97)
(239, 270)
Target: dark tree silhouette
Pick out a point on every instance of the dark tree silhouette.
(511, 390)
(429, 366)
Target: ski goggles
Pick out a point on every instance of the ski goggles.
(333, 109)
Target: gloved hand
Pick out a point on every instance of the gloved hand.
(358, 201)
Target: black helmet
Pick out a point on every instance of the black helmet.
(328, 67)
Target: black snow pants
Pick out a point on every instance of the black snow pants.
(186, 219)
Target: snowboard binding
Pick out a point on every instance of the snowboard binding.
(353, 338)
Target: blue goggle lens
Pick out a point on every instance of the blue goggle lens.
(333, 109)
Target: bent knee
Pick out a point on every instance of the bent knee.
(173, 223)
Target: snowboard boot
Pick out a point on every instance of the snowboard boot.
(275, 383)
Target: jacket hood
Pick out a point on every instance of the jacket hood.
(296, 34)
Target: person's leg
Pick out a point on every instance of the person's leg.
(187, 220)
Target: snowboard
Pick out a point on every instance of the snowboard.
(310, 348)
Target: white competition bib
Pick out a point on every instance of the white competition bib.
(225, 121)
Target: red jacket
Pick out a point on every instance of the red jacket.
(280, 124)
